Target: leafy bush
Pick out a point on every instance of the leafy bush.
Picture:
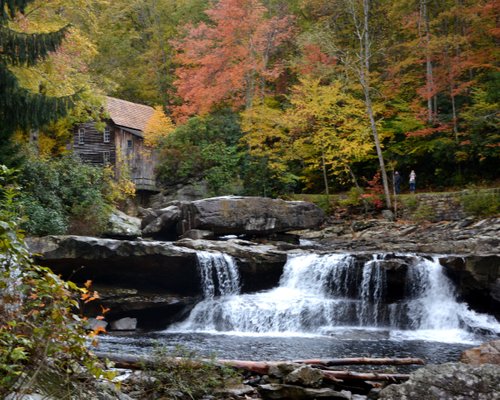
(42, 341)
(203, 148)
(183, 375)
(65, 195)
(481, 203)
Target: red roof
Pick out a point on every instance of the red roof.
(127, 114)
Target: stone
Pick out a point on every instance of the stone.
(164, 225)
(196, 234)
(388, 215)
(305, 376)
(122, 226)
(274, 391)
(236, 391)
(450, 381)
(124, 324)
(93, 324)
(249, 215)
(282, 369)
(487, 353)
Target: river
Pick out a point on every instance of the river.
(325, 306)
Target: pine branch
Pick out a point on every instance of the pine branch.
(19, 48)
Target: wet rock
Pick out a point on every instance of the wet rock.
(95, 324)
(124, 324)
(260, 265)
(146, 265)
(305, 376)
(197, 234)
(152, 310)
(292, 392)
(477, 278)
(164, 225)
(487, 353)
(450, 381)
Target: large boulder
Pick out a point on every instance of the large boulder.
(487, 353)
(122, 226)
(477, 279)
(146, 265)
(450, 381)
(249, 215)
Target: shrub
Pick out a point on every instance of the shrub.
(42, 340)
(65, 195)
(205, 148)
(481, 203)
(183, 375)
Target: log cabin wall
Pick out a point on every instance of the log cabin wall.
(93, 146)
(120, 148)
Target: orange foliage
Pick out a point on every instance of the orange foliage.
(227, 61)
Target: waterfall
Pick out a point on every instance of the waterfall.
(219, 274)
(318, 294)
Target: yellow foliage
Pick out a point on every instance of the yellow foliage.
(327, 122)
(266, 136)
(158, 126)
(119, 186)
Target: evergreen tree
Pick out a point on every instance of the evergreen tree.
(21, 109)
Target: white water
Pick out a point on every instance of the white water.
(219, 274)
(328, 294)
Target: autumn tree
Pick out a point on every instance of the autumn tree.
(157, 128)
(135, 56)
(229, 59)
(327, 124)
(20, 108)
(269, 146)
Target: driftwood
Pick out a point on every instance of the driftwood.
(361, 361)
(130, 361)
(335, 376)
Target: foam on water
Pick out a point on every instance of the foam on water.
(332, 295)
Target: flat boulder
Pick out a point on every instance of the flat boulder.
(249, 215)
(450, 381)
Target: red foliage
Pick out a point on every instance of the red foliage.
(228, 60)
(375, 191)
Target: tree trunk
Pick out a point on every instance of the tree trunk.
(364, 77)
(429, 75)
(325, 177)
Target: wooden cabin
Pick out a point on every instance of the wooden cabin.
(121, 143)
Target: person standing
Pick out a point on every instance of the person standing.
(413, 181)
(397, 182)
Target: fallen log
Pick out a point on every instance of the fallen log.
(335, 376)
(130, 361)
(361, 361)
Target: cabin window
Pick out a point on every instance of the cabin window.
(107, 135)
(106, 157)
(129, 144)
(81, 136)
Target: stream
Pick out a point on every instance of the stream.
(325, 306)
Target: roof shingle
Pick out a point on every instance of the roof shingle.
(127, 114)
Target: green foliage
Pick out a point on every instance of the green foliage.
(183, 375)
(19, 107)
(481, 203)
(203, 148)
(424, 212)
(410, 202)
(63, 194)
(40, 336)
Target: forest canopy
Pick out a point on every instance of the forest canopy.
(270, 97)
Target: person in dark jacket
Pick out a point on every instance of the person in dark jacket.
(397, 182)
